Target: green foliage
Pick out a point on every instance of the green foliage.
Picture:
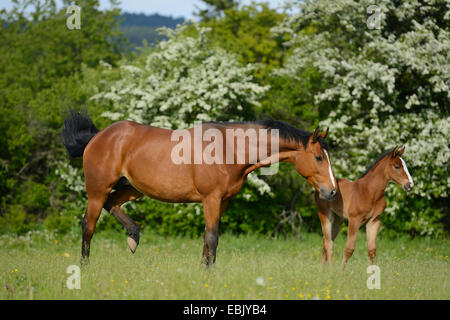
(246, 31)
(62, 222)
(16, 220)
(40, 74)
(33, 196)
(374, 89)
(215, 8)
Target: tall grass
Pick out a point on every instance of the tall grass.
(247, 267)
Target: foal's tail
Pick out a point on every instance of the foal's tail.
(77, 132)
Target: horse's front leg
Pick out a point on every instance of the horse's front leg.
(326, 219)
(372, 228)
(213, 208)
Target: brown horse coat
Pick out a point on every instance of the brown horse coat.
(142, 157)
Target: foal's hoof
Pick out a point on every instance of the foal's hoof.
(208, 262)
(132, 244)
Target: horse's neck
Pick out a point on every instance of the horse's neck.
(284, 151)
(375, 181)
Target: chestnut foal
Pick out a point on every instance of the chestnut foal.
(361, 201)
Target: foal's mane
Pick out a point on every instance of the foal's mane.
(286, 131)
(380, 157)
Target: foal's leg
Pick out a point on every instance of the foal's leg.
(213, 208)
(115, 200)
(353, 226)
(336, 228)
(327, 220)
(372, 228)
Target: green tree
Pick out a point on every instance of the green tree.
(40, 65)
(215, 8)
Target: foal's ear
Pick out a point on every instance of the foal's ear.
(401, 151)
(315, 135)
(394, 152)
(325, 133)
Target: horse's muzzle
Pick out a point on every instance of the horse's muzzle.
(328, 195)
(408, 186)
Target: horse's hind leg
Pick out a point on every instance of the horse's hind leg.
(99, 183)
(115, 200)
(94, 208)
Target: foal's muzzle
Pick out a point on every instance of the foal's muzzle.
(408, 186)
(328, 195)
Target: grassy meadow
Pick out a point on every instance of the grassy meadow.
(248, 267)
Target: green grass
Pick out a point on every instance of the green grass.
(34, 267)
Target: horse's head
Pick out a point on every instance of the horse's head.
(397, 170)
(314, 164)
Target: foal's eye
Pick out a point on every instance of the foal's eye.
(396, 167)
(319, 158)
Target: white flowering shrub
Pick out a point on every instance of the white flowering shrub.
(182, 80)
(386, 82)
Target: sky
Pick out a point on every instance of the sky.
(174, 8)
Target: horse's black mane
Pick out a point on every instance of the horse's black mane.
(286, 131)
(381, 156)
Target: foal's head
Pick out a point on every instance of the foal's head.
(397, 170)
(314, 164)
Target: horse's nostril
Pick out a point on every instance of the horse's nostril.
(409, 186)
(333, 193)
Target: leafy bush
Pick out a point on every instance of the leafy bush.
(16, 220)
(382, 87)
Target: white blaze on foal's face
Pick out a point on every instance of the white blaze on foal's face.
(410, 180)
(330, 171)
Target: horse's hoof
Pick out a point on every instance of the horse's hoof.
(132, 244)
(84, 262)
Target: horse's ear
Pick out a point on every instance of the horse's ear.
(315, 135)
(325, 133)
(401, 151)
(394, 152)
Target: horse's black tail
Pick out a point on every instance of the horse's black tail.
(77, 132)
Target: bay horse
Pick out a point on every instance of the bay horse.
(127, 160)
(361, 201)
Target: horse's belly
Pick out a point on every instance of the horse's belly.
(165, 189)
(169, 184)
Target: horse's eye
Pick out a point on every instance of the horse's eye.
(319, 158)
(396, 167)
